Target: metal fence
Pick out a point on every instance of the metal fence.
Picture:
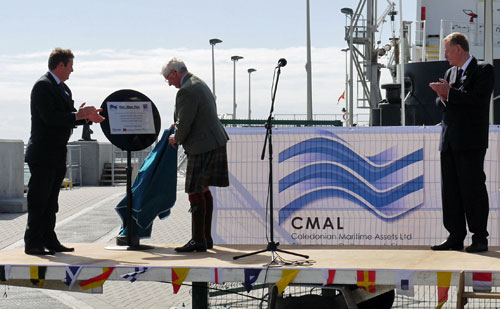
(119, 156)
(234, 295)
(74, 164)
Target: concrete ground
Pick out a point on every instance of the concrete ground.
(87, 215)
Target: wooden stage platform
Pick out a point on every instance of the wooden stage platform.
(386, 261)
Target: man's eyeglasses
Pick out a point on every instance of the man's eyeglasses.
(166, 79)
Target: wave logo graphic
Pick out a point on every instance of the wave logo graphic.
(385, 184)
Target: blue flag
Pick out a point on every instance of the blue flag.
(132, 276)
(72, 273)
(251, 276)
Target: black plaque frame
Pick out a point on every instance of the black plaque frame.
(130, 142)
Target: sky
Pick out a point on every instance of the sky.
(124, 44)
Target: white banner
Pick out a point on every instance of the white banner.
(360, 186)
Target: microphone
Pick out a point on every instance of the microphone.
(281, 63)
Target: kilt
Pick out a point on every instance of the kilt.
(207, 169)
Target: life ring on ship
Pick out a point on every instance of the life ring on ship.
(346, 114)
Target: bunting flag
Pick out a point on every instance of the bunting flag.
(132, 276)
(37, 275)
(216, 275)
(342, 96)
(404, 283)
(443, 282)
(72, 273)
(178, 277)
(482, 282)
(287, 275)
(97, 281)
(366, 280)
(4, 272)
(328, 275)
(251, 276)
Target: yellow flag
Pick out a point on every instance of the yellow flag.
(178, 277)
(37, 275)
(443, 282)
(287, 275)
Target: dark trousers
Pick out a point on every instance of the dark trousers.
(43, 193)
(464, 194)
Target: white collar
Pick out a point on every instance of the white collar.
(466, 64)
(58, 81)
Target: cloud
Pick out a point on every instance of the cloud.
(98, 73)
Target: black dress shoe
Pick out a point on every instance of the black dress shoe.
(210, 243)
(60, 248)
(193, 245)
(477, 247)
(449, 245)
(39, 251)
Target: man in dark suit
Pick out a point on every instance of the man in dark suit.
(53, 117)
(199, 130)
(464, 99)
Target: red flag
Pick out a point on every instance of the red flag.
(366, 280)
(329, 276)
(482, 282)
(342, 96)
(98, 280)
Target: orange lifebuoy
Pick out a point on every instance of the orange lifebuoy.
(346, 114)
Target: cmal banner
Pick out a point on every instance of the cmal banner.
(339, 186)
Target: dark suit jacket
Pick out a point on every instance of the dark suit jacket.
(197, 126)
(52, 122)
(465, 119)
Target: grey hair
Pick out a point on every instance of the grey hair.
(174, 64)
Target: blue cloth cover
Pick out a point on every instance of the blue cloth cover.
(154, 189)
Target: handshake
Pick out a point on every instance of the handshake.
(89, 113)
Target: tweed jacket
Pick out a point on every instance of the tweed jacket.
(197, 126)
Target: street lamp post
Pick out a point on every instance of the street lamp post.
(250, 92)
(213, 42)
(346, 92)
(234, 59)
(349, 38)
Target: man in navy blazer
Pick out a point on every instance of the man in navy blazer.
(464, 98)
(53, 117)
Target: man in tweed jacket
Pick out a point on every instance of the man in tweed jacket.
(200, 132)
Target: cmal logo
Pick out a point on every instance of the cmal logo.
(326, 170)
(311, 223)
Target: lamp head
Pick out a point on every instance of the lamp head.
(346, 11)
(236, 58)
(214, 41)
(251, 70)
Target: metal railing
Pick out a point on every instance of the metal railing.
(474, 32)
(299, 120)
(73, 166)
(120, 156)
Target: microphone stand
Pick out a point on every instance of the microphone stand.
(272, 246)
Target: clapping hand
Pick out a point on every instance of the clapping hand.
(90, 113)
(441, 88)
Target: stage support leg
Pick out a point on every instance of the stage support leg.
(200, 295)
